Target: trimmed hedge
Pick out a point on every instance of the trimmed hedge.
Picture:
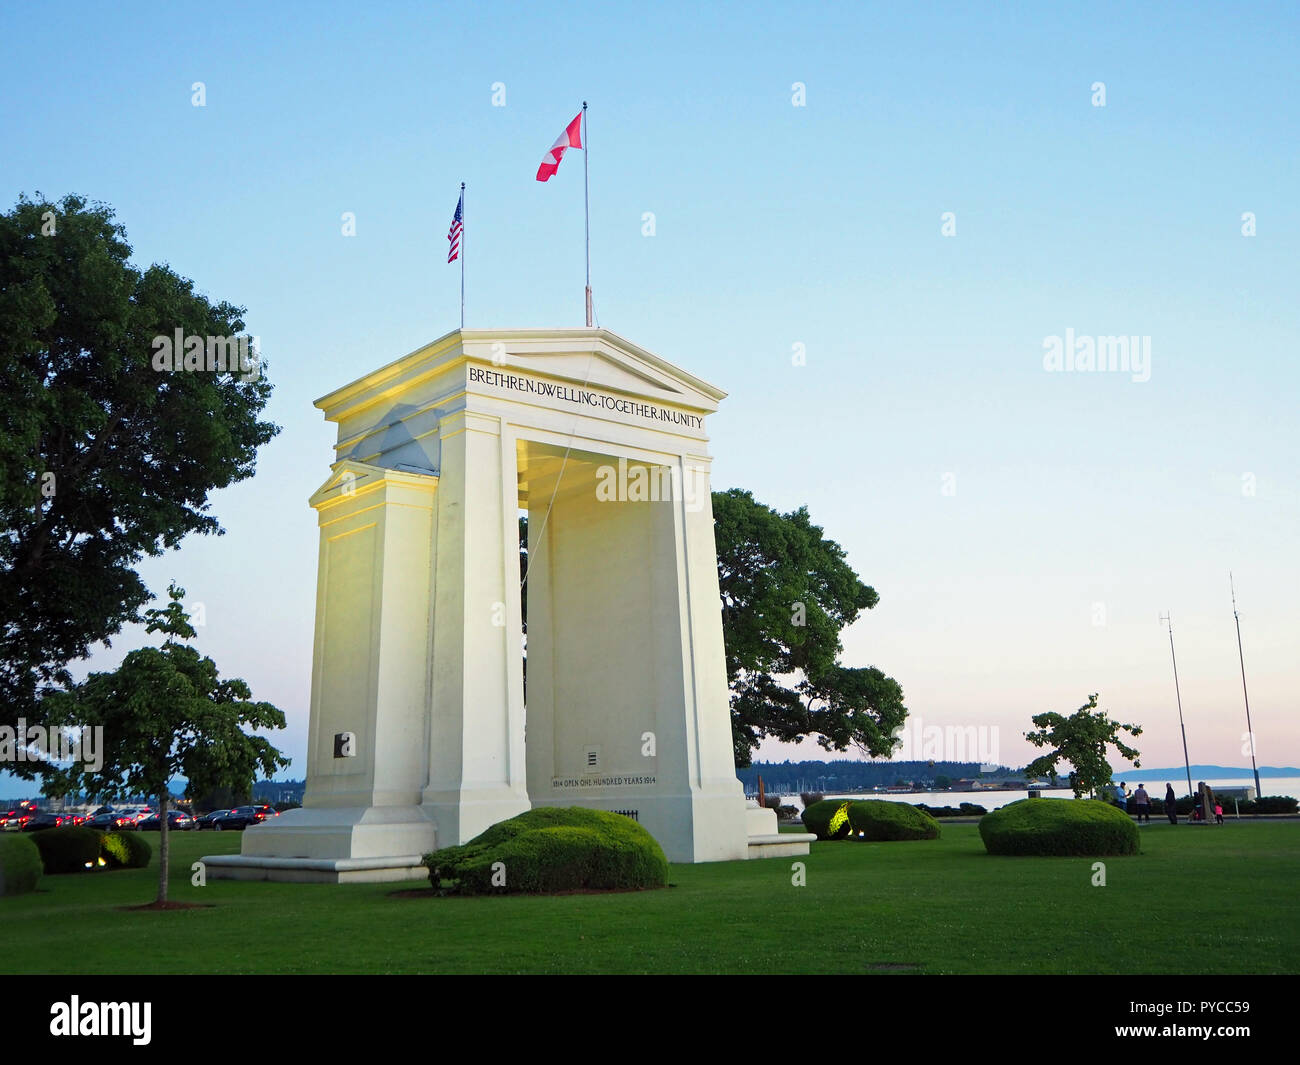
(67, 850)
(20, 864)
(552, 849)
(1266, 804)
(1059, 827)
(966, 809)
(871, 820)
(125, 850)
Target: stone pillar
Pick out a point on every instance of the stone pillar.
(717, 797)
(477, 773)
(367, 754)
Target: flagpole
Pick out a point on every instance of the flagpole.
(462, 255)
(1168, 620)
(586, 203)
(1250, 729)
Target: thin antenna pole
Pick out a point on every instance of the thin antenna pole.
(462, 255)
(586, 203)
(1168, 620)
(1250, 731)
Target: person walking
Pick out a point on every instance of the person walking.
(1142, 801)
(1171, 805)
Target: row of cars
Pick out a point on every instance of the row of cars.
(239, 818)
(28, 818)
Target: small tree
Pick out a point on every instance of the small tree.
(166, 712)
(1081, 740)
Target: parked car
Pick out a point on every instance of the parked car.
(46, 819)
(14, 820)
(112, 821)
(177, 820)
(242, 817)
(209, 820)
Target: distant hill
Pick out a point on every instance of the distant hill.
(280, 790)
(1220, 771)
(847, 774)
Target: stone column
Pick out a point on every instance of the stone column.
(477, 774)
(367, 749)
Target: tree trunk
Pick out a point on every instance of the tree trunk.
(162, 847)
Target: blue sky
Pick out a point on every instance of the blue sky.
(775, 225)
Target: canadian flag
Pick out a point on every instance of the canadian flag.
(570, 138)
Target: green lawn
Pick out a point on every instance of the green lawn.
(1196, 900)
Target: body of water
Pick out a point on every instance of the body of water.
(991, 800)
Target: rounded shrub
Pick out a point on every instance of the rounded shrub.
(125, 850)
(552, 849)
(20, 864)
(1064, 827)
(67, 850)
(870, 820)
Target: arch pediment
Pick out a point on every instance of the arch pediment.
(590, 358)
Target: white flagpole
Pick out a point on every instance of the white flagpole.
(462, 255)
(586, 204)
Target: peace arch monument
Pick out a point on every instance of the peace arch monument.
(426, 725)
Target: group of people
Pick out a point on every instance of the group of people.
(1203, 802)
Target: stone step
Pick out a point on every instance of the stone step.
(779, 845)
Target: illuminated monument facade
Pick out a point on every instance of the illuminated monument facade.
(421, 735)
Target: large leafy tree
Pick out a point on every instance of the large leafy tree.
(103, 459)
(165, 712)
(1081, 740)
(787, 593)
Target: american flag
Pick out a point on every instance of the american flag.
(457, 227)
